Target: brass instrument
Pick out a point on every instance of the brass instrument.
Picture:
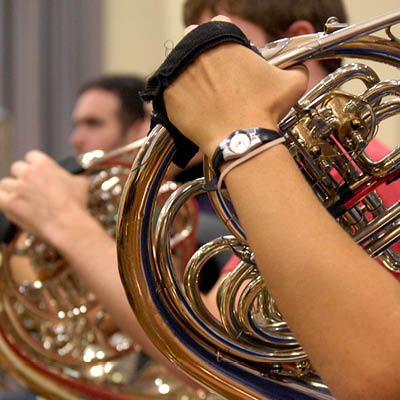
(54, 335)
(250, 352)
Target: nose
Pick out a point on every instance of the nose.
(77, 140)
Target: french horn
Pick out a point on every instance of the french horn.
(54, 334)
(249, 352)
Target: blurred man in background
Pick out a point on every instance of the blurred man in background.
(108, 113)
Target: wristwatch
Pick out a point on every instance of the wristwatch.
(241, 142)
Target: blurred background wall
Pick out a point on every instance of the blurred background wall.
(49, 48)
(137, 33)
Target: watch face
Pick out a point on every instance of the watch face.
(239, 143)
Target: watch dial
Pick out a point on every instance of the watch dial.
(239, 143)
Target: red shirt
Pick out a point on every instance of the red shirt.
(389, 194)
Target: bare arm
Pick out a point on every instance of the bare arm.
(47, 201)
(93, 255)
(343, 308)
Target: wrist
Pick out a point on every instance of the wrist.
(241, 143)
(69, 227)
(218, 135)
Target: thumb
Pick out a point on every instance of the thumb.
(299, 75)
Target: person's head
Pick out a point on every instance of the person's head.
(109, 113)
(267, 20)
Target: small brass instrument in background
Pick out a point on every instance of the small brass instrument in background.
(54, 334)
(250, 353)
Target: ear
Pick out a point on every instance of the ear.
(315, 68)
(301, 27)
(137, 130)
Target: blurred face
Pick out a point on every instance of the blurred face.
(96, 122)
(253, 32)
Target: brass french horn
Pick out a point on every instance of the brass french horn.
(250, 352)
(54, 335)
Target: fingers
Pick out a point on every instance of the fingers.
(18, 169)
(35, 156)
(8, 185)
(221, 18)
(32, 157)
(301, 69)
(299, 74)
(190, 28)
(8, 188)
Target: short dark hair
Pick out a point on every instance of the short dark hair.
(274, 17)
(127, 89)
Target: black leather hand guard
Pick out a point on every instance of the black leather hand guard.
(192, 45)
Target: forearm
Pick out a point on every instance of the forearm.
(46, 201)
(342, 307)
(335, 298)
(92, 254)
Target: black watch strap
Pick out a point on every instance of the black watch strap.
(264, 136)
